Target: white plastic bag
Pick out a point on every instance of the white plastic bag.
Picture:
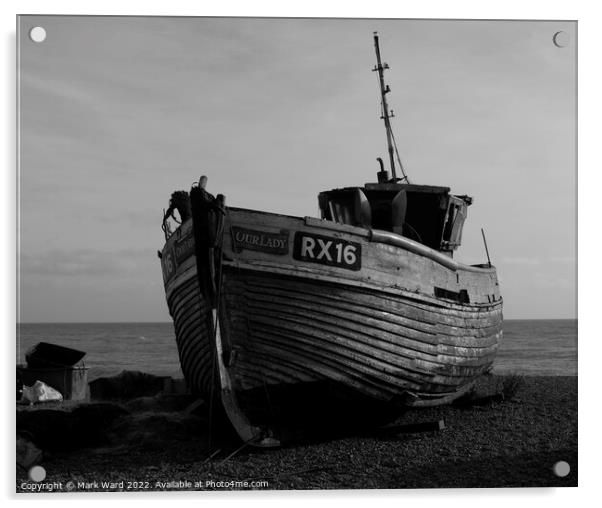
(40, 392)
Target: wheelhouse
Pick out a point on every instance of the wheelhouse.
(427, 214)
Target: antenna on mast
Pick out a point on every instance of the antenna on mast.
(386, 115)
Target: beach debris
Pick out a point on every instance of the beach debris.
(28, 453)
(46, 355)
(238, 450)
(127, 385)
(61, 367)
(61, 429)
(40, 392)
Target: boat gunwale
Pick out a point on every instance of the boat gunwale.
(379, 236)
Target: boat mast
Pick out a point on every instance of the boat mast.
(386, 114)
(384, 90)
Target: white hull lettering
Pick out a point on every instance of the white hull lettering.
(323, 250)
(264, 241)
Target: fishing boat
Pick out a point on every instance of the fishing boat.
(363, 307)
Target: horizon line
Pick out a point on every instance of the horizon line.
(171, 322)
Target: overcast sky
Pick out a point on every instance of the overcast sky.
(116, 113)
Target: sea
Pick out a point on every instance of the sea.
(529, 347)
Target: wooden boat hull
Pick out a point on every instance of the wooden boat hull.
(306, 302)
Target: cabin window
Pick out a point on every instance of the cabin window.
(424, 218)
(381, 215)
(340, 212)
(348, 206)
(454, 222)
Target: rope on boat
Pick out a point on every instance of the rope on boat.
(180, 201)
(212, 455)
(239, 449)
(405, 177)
